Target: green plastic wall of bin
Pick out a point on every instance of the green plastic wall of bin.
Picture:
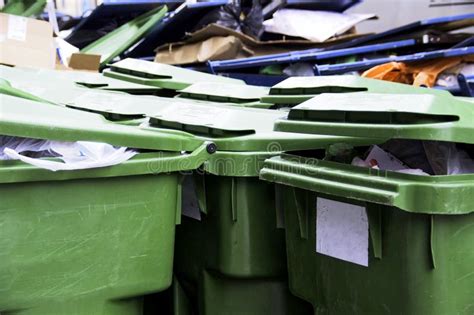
(161, 75)
(173, 301)
(233, 260)
(296, 90)
(244, 95)
(420, 227)
(90, 241)
(236, 247)
(24, 8)
(28, 79)
(242, 244)
(119, 40)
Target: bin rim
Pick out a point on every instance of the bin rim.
(152, 163)
(448, 194)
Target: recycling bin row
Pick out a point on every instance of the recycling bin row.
(239, 210)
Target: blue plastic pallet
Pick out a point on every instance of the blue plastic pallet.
(304, 55)
(324, 5)
(367, 64)
(405, 29)
(343, 48)
(466, 85)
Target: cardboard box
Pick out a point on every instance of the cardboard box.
(87, 62)
(26, 42)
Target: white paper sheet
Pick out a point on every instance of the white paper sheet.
(17, 26)
(317, 26)
(342, 231)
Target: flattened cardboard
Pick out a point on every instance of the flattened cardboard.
(85, 62)
(215, 42)
(26, 42)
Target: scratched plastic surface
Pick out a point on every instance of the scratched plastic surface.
(93, 241)
(86, 246)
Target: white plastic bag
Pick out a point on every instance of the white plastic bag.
(75, 155)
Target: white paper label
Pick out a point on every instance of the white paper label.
(189, 202)
(17, 28)
(342, 231)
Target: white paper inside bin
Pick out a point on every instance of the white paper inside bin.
(342, 231)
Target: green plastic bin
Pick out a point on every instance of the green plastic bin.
(368, 241)
(295, 90)
(233, 259)
(244, 95)
(119, 40)
(94, 241)
(161, 75)
(25, 8)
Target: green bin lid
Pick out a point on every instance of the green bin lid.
(46, 92)
(224, 92)
(296, 90)
(116, 106)
(231, 128)
(405, 116)
(162, 75)
(30, 119)
(28, 79)
(239, 129)
(126, 107)
(119, 40)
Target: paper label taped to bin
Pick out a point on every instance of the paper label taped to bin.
(189, 202)
(342, 231)
(17, 27)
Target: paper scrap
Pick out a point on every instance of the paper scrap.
(17, 26)
(342, 231)
(317, 26)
